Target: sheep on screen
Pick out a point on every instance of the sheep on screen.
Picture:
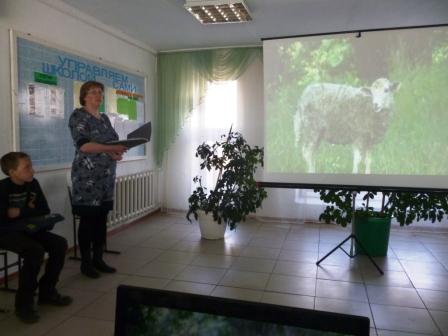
(345, 115)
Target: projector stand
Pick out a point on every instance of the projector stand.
(352, 237)
(351, 254)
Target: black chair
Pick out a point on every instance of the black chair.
(6, 267)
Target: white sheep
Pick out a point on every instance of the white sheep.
(343, 114)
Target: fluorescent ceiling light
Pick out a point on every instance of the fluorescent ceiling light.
(218, 11)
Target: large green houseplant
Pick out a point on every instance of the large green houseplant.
(236, 193)
(405, 207)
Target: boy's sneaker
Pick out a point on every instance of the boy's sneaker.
(55, 299)
(27, 315)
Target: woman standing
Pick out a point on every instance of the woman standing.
(93, 176)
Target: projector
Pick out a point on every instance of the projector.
(218, 11)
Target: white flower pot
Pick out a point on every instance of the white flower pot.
(209, 228)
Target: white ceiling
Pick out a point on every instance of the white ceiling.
(165, 24)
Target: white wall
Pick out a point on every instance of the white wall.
(62, 26)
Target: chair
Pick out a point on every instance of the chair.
(76, 222)
(75, 218)
(5, 268)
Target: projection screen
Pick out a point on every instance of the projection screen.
(367, 109)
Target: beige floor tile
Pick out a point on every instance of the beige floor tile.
(441, 318)
(160, 270)
(175, 257)
(405, 319)
(417, 267)
(389, 263)
(295, 268)
(426, 281)
(143, 281)
(190, 246)
(141, 253)
(253, 265)
(75, 326)
(190, 287)
(266, 241)
(382, 332)
(330, 272)
(226, 248)
(415, 256)
(213, 260)
(292, 300)
(341, 290)
(300, 245)
(49, 320)
(389, 278)
(298, 256)
(207, 275)
(434, 300)
(261, 252)
(237, 293)
(103, 284)
(394, 296)
(242, 279)
(103, 308)
(344, 307)
(303, 237)
(159, 243)
(291, 285)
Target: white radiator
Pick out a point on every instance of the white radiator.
(135, 196)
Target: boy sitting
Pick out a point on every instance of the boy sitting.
(21, 197)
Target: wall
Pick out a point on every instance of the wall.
(64, 27)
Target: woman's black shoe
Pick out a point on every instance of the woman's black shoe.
(101, 266)
(89, 271)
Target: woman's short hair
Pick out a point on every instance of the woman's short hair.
(85, 90)
(10, 161)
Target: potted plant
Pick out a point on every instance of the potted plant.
(372, 226)
(236, 193)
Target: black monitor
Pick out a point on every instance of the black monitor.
(145, 311)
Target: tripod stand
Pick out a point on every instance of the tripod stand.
(353, 239)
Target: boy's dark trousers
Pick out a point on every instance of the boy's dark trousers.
(32, 249)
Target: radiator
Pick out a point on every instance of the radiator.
(135, 196)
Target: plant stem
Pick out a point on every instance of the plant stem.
(220, 170)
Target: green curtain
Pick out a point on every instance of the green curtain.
(182, 83)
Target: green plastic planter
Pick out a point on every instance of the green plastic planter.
(373, 233)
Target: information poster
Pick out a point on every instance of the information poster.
(49, 80)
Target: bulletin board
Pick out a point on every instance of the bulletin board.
(47, 82)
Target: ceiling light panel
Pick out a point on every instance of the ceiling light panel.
(224, 11)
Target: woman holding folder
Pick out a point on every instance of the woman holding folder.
(93, 176)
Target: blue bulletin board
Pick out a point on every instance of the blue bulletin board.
(48, 83)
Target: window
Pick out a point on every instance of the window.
(212, 118)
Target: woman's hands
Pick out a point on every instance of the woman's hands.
(116, 156)
(117, 152)
(117, 149)
(92, 147)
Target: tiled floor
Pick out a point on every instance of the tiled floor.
(261, 261)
